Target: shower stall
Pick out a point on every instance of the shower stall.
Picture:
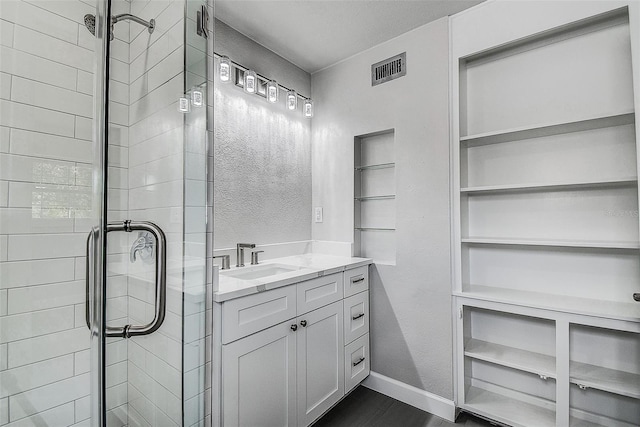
(103, 212)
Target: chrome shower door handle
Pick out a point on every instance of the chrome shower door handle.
(90, 271)
(160, 282)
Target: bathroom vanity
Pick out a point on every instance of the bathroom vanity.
(291, 339)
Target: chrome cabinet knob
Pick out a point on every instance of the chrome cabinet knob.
(636, 296)
(294, 327)
(303, 323)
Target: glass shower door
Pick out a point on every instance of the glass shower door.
(70, 167)
(155, 157)
(51, 196)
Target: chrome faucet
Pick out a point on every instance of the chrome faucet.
(226, 261)
(240, 247)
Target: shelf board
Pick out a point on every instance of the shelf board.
(554, 243)
(511, 357)
(374, 229)
(387, 197)
(585, 185)
(378, 166)
(547, 129)
(577, 422)
(508, 410)
(610, 380)
(563, 303)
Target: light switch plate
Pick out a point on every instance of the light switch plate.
(318, 214)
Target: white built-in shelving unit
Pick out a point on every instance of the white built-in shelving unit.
(545, 205)
(374, 196)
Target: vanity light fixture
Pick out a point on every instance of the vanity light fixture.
(307, 108)
(250, 81)
(292, 100)
(272, 91)
(258, 84)
(224, 68)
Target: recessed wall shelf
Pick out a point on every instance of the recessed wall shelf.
(388, 197)
(536, 363)
(552, 243)
(611, 380)
(374, 219)
(378, 166)
(491, 189)
(508, 410)
(549, 129)
(625, 311)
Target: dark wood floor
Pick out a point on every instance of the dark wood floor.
(367, 408)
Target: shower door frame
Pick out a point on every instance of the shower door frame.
(97, 280)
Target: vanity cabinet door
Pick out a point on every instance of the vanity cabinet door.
(320, 352)
(260, 378)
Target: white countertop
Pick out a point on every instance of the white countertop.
(309, 266)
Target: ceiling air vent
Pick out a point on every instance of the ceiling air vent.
(389, 69)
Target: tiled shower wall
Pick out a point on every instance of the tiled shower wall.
(46, 62)
(156, 146)
(45, 176)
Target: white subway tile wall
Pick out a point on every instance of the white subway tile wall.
(156, 192)
(46, 85)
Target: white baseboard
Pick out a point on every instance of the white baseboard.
(411, 395)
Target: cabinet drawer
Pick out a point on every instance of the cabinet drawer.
(356, 316)
(250, 314)
(356, 362)
(356, 280)
(319, 292)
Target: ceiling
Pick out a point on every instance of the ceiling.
(314, 34)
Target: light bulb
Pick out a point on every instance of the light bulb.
(308, 108)
(272, 91)
(250, 81)
(292, 100)
(183, 104)
(224, 69)
(197, 98)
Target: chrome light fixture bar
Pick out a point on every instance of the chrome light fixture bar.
(260, 85)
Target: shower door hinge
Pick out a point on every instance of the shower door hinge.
(202, 20)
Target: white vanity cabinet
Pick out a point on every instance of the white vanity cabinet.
(320, 373)
(259, 379)
(282, 354)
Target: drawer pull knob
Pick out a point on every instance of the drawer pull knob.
(294, 327)
(357, 316)
(358, 362)
(582, 387)
(543, 377)
(358, 280)
(303, 323)
(636, 296)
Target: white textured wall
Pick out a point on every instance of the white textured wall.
(261, 154)
(410, 301)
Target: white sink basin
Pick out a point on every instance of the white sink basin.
(259, 271)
